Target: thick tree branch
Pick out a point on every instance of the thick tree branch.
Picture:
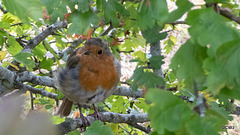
(155, 50)
(6, 81)
(27, 76)
(72, 124)
(39, 38)
(126, 91)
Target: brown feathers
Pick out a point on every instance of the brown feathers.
(97, 70)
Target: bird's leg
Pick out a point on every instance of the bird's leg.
(95, 114)
(83, 118)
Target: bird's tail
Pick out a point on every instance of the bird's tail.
(65, 107)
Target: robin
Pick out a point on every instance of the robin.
(91, 75)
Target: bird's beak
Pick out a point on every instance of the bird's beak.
(87, 52)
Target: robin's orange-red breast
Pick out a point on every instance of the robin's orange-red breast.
(90, 76)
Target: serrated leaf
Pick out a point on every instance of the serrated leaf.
(150, 12)
(209, 28)
(2, 55)
(46, 63)
(153, 35)
(24, 9)
(23, 57)
(220, 110)
(169, 44)
(84, 5)
(156, 61)
(147, 79)
(223, 69)
(168, 111)
(133, 43)
(111, 8)
(98, 128)
(14, 47)
(39, 51)
(118, 105)
(183, 7)
(198, 127)
(82, 21)
(188, 66)
(56, 9)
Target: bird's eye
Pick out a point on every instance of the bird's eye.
(100, 52)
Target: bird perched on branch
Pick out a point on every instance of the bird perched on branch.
(90, 76)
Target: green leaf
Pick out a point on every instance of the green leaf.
(168, 111)
(48, 106)
(23, 57)
(57, 119)
(169, 44)
(153, 35)
(84, 5)
(183, 7)
(118, 106)
(56, 9)
(75, 132)
(187, 63)
(39, 51)
(82, 21)
(50, 49)
(2, 38)
(223, 69)
(98, 128)
(24, 9)
(46, 63)
(220, 110)
(198, 127)
(150, 11)
(147, 79)
(156, 61)
(6, 21)
(110, 9)
(230, 93)
(208, 27)
(60, 95)
(43, 101)
(13, 46)
(217, 1)
(132, 43)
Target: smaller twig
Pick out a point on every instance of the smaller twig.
(70, 49)
(2, 9)
(15, 24)
(106, 31)
(125, 83)
(227, 13)
(32, 100)
(124, 51)
(146, 130)
(177, 22)
(124, 129)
